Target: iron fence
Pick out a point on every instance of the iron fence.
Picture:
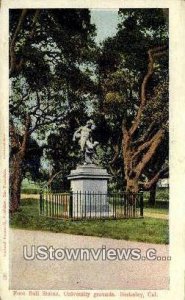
(90, 205)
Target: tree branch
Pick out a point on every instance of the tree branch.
(26, 134)
(144, 136)
(148, 155)
(144, 146)
(14, 65)
(116, 154)
(152, 54)
(14, 137)
(148, 185)
(51, 179)
(12, 43)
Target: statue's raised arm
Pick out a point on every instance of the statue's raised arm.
(77, 134)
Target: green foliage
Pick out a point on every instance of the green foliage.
(162, 194)
(32, 160)
(140, 30)
(52, 66)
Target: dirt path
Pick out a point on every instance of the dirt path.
(100, 274)
(156, 215)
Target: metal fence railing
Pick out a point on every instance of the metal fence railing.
(90, 205)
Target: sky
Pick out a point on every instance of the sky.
(106, 22)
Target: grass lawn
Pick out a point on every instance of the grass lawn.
(149, 230)
(160, 211)
(157, 210)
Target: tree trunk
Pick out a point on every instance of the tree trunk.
(151, 200)
(132, 185)
(138, 153)
(16, 163)
(15, 182)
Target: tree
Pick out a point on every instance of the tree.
(159, 162)
(44, 68)
(62, 155)
(133, 70)
(32, 159)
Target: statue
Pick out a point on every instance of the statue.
(87, 146)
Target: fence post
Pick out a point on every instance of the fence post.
(71, 205)
(41, 200)
(141, 203)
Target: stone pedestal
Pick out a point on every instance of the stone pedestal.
(89, 187)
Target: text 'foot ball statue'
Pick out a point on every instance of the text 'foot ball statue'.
(88, 180)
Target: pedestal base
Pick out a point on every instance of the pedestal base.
(89, 186)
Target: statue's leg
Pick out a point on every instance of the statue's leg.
(82, 144)
(88, 158)
(82, 156)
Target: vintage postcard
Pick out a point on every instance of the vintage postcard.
(92, 153)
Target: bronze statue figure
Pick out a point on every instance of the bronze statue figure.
(84, 136)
